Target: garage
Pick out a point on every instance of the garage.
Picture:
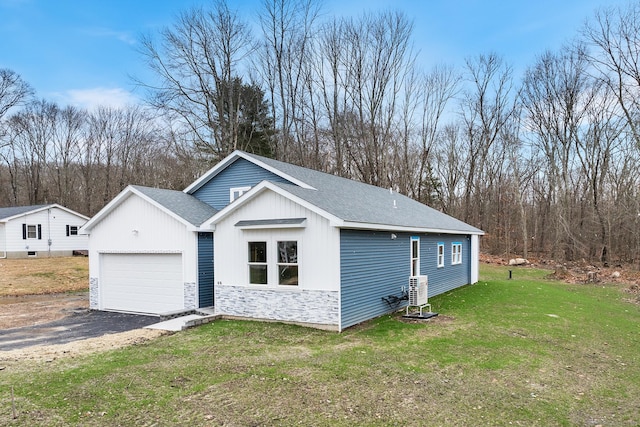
(142, 282)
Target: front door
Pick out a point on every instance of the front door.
(205, 269)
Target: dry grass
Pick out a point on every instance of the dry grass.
(39, 276)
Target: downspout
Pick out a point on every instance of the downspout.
(5, 244)
(4, 256)
(49, 232)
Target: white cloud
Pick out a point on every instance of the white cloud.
(99, 96)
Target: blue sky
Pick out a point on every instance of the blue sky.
(83, 52)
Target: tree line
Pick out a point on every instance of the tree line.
(545, 163)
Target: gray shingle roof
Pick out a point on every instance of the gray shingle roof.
(184, 205)
(18, 210)
(355, 201)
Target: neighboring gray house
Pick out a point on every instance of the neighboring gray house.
(40, 230)
(291, 244)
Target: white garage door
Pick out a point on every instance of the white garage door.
(143, 283)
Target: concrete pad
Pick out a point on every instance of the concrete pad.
(174, 325)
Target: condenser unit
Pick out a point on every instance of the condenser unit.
(418, 290)
(418, 293)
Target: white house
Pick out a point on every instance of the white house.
(258, 238)
(40, 231)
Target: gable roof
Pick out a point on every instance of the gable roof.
(354, 204)
(181, 206)
(279, 168)
(184, 205)
(7, 214)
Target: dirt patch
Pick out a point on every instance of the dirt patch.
(439, 319)
(80, 348)
(577, 272)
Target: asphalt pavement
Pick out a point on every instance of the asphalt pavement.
(78, 326)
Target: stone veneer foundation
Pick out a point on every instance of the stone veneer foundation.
(298, 306)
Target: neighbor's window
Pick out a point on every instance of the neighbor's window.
(72, 230)
(32, 232)
(288, 263)
(440, 255)
(258, 263)
(456, 253)
(236, 192)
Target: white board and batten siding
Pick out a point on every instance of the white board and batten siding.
(314, 301)
(318, 242)
(140, 259)
(53, 225)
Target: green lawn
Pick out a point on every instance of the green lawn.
(527, 351)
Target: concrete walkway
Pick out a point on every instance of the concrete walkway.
(184, 322)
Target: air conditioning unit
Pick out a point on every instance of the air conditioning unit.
(418, 291)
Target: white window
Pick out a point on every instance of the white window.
(456, 253)
(440, 255)
(288, 263)
(32, 232)
(261, 258)
(258, 263)
(415, 256)
(72, 230)
(236, 192)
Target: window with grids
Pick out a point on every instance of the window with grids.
(440, 255)
(258, 263)
(32, 232)
(456, 253)
(415, 256)
(288, 263)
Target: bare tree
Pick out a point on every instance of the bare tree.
(13, 90)
(288, 29)
(486, 108)
(64, 155)
(197, 62)
(30, 133)
(613, 37)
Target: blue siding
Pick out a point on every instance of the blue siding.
(450, 276)
(241, 173)
(373, 266)
(205, 269)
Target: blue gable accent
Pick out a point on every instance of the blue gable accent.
(241, 173)
(374, 266)
(205, 269)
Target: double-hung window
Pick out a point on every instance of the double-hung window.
(32, 232)
(258, 268)
(415, 255)
(440, 255)
(266, 258)
(456, 253)
(288, 263)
